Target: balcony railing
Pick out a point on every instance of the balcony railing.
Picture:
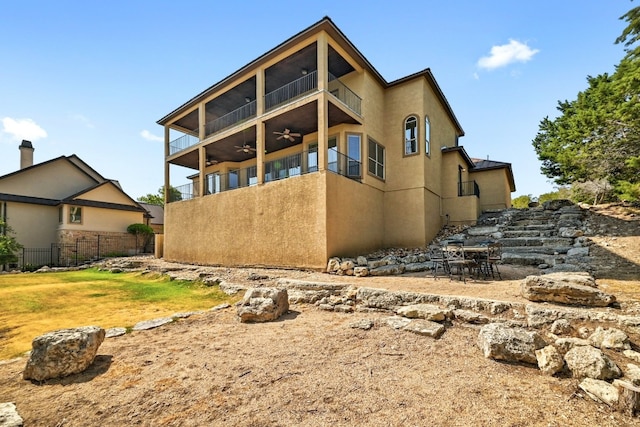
(290, 91)
(344, 165)
(345, 95)
(468, 188)
(184, 192)
(239, 178)
(184, 142)
(238, 115)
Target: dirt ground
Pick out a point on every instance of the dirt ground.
(312, 368)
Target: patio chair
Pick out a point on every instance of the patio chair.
(456, 259)
(494, 257)
(437, 257)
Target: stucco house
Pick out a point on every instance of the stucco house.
(307, 152)
(62, 201)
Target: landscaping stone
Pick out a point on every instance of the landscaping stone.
(550, 361)
(564, 288)
(610, 338)
(9, 416)
(263, 304)
(600, 391)
(587, 361)
(501, 342)
(425, 327)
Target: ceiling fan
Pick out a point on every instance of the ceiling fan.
(287, 134)
(211, 162)
(246, 148)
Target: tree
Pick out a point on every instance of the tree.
(596, 137)
(143, 231)
(521, 202)
(158, 199)
(8, 245)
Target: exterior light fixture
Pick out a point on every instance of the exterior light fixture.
(304, 71)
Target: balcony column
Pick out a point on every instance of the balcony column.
(166, 165)
(260, 148)
(202, 116)
(323, 103)
(260, 92)
(202, 161)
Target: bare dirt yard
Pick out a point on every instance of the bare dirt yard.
(312, 368)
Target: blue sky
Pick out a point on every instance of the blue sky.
(92, 78)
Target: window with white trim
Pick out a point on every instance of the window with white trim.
(376, 159)
(427, 136)
(75, 215)
(410, 135)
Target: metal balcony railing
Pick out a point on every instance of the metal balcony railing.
(184, 192)
(238, 115)
(344, 165)
(345, 95)
(468, 188)
(295, 89)
(183, 142)
(239, 178)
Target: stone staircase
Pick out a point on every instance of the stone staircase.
(549, 237)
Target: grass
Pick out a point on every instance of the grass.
(33, 304)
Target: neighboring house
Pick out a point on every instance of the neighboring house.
(155, 219)
(64, 200)
(325, 158)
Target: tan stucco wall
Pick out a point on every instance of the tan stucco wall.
(107, 193)
(54, 180)
(280, 223)
(354, 218)
(99, 219)
(494, 188)
(34, 226)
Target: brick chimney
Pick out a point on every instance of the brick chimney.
(26, 154)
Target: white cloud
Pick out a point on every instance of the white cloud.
(21, 129)
(506, 54)
(150, 137)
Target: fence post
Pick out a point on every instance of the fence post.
(98, 248)
(76, 252)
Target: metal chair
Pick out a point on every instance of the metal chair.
(437, 257)
(494, 257)
(456, 259)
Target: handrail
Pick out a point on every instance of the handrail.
(183, 142)
(468, 188)
(291, 90)
(345, 95)
(231, 118)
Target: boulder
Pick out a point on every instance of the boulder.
(590, 362)
(63, 352)
(550, 361)
(501, 342)
(263, 304)
(600, 391)
(9, 416)
(565, 288)
(610, 338)
(425, 327)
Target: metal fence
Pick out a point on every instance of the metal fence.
(83, 251)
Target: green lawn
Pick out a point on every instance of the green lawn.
(35, 303)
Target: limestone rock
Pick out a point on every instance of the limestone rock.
(564, 288)
(550, 361)
(263, 304)
(590, 362)
(152, 324)
(423, 311)
(600, 391)
(610, 338)
(561, 326)
(63, 352)
(9, 416)
(633, 355)
(425, 327)
(333, 265)
(396, 322)
(387, 270)
(468, 316)
(501, 342)
(361, 271)
(566, 344)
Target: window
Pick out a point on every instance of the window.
(353, 154)
(332, 154)
(252, 175)
(312, 158)
(60, 215)
(75, 215)
(213, 183)
(427, 136)
(234, 179)
(376, 159)
(411, 135)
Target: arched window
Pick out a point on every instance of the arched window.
(427, 136)
(410, 135)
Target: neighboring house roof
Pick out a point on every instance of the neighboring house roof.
(483, 165)
(74, 199)
(156, 213)
(325, 24)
